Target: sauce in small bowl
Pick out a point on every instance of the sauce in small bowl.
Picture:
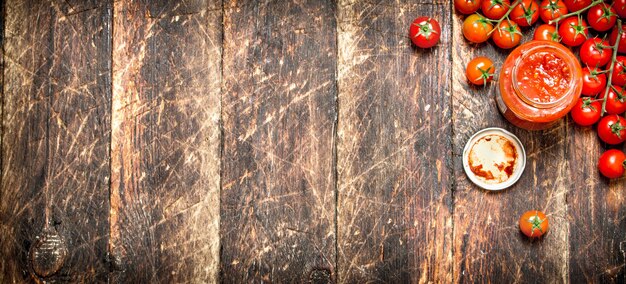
(494, 159)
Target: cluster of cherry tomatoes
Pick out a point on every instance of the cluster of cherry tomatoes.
(589, 26)
(502, 21)
(603, 101)
(564, 22)
(593, 30)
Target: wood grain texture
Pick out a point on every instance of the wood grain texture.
(300, 141)
(596, 213)
(4, 265)
(394, 166)
(488, 244)
(279, 114)
(56, 131)
(165, 141)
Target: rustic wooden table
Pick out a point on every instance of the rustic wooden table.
(274, 141)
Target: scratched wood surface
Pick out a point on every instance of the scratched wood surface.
(394, 177)
(294, 141)
(596, 213)
(165, 141)
(279, 114)
(56, 134)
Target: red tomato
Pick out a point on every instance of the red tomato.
(480, 70)
(601, 17)
(573, 31)
(525, 14)
(595, 52)
(615, 100)
(507, 35)
(622, 39)
(546, 32)
(618, 76)
(611, 129)
(593, 81)
(425, 32)
(494, 9)
(586, 112)
(467, 6)
(620, 8)
(477, 28)
(575, 5)
(551, 9)
(533, 223)
(612, 163)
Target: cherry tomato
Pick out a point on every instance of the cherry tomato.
(601, 17)
(573, 31)
(480, 70)
(425, 32)
(575, 5)
(533, 223)
(612, 163)
(494, 9)
(620, 8)
(595, 52)
(551, 9)
(507, 35)
(593, 81)
(525, 14)
(477, 28)
(622, 39)
(618, 76)
(467, 7)
(546, 32)
(615, 100)
(586, 112)
(612, 129)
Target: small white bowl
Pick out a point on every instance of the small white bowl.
(520, 161)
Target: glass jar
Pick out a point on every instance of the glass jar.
(540, 82)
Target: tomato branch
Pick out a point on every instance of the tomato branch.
(596, 2)
(596, 72)
(610, 70)
(506, 16)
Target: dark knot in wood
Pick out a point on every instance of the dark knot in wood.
(48, 253)
(319, 276)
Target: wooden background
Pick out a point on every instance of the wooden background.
(274, 141)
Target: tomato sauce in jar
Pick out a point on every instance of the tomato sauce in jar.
(540, 82)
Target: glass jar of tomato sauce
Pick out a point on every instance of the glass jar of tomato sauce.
(540, 82)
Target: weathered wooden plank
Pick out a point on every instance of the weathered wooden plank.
(55, 146)
(488, 245)
(165, 141)
(596, 213)
(394, 156)
(279, 115)
(4, 266)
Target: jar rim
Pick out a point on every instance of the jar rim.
(535, 49)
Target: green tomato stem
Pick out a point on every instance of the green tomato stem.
(610, 70)
(506, 16)
(596, 2)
